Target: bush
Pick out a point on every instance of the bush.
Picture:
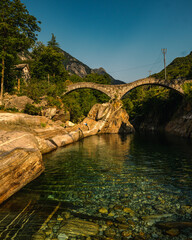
(1, 107)
(54, 102)
(32, 110)
(12, 109)
(39, 88)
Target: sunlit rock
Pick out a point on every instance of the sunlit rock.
(13, 140)
(17, 168)
(77, 227)
(112, 118)
(18, 102)
(45, 146)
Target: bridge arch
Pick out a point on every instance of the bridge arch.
(119, 91)
(89, 85)
(178, 90)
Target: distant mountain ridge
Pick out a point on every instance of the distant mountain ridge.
(74, 66)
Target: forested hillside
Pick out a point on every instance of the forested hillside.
(179, 68)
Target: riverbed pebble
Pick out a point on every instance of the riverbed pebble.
(132, 212)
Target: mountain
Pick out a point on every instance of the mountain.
(74, 66)
(179, 68)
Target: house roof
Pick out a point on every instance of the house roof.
(21, 66)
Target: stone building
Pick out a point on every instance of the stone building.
(24, 68)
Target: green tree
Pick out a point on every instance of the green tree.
(48, 63)
(53, 43)
(17, 32)
(98, 78)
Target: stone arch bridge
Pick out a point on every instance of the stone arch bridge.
(118, 91)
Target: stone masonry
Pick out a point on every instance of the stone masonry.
(118, 91)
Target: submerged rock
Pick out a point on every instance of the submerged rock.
(171, 225)
(77, 227)
(173, 232)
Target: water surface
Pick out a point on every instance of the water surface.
(129, 177)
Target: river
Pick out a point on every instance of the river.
(106, 187)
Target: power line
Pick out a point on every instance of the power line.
(157, 61)
(127, 69)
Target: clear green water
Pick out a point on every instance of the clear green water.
(151, 175)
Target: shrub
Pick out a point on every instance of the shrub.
(12, 109)
(43, 125)
(32, 110)
(54, 102)
(1, 107)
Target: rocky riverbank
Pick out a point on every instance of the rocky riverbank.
(24, 138)
(178, 123)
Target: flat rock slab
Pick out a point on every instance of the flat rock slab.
(49, 132)
(77, 227)
(13, 140)
(21, 122)
(21, 118)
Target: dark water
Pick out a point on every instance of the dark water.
(147, 175)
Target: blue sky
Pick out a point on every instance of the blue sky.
(125, 37)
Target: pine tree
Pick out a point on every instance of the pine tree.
(17, 32)
(53, 43)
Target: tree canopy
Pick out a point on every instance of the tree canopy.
(17, 32)
(48, 62)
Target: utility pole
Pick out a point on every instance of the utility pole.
(164, 51)
(150, 73)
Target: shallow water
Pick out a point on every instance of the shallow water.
(105, 178)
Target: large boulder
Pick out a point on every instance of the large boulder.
(17, 168)
(110, 118)
(49, 112)
(18, 102)
(56, 114)
(62, 115)
(20, 161)
(180, 125)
